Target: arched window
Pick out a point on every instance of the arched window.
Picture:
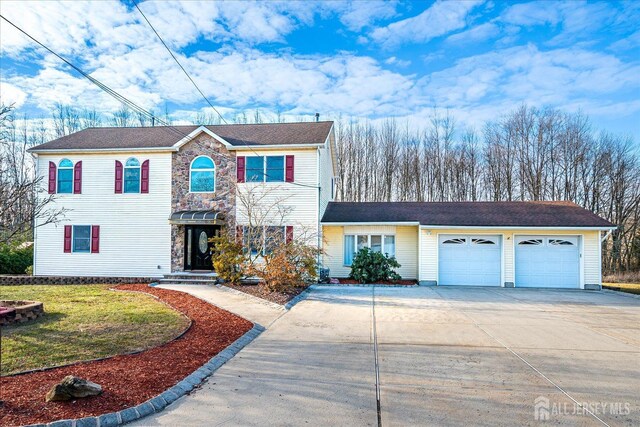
(132, 176)
(202, 175)
(65, 176)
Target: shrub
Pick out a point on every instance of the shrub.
(29, 270)
(14, 260)
(370, 267)
(288, 266)
(227, 258)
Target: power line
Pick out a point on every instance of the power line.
(127, 101)
(179, 64)
(194, 83)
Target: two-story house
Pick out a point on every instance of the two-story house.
(143, 201)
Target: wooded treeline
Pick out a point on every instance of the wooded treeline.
(529, 154)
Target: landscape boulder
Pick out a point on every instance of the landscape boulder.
(73, 388)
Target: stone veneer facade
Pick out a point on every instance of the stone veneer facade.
(223, 200)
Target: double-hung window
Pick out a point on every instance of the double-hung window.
(81, 238)
(262, 240)
(385, 243)
(275, 169)
(132, 176)
(255, 169)
(65, 176)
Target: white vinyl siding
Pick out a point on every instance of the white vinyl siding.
(300, 201)
(135, 236)
(406, 242)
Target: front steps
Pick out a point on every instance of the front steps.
(189, 278)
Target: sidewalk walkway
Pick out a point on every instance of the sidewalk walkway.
(261, 313)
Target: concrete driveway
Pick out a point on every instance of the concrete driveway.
(431, 356)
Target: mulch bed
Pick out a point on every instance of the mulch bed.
(258, 290)
(127, 380)
(382, 282)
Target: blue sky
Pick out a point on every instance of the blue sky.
(364, 59)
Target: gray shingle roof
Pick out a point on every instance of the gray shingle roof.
(471, 214)
(165, 137)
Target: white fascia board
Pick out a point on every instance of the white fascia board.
(103, 150)
(520, 227)
(372, 223)
(273, 146)
(198, 131)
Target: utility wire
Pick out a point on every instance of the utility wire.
(179, 64)
(193, 82)
(127, 101)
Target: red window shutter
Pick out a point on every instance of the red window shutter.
(289, 169)
(77, 178)
(240, 168)
(52, 178)
(239, 234)
(67, 239)
(118, 177)
(289, 234)
(95, 239)
(144, 178)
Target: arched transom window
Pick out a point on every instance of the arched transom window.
(65, 176)
(202, 175)
(132, 176)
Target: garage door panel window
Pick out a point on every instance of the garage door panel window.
(560, 242)
(454, 241)
(531, 242)
(482, 242)
(376, 242)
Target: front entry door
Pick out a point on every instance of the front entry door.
(198, 248)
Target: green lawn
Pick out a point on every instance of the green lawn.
(84, 322)
(632, 288)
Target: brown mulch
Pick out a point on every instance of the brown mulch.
(127, 380)
(381, 282)
(260, 291)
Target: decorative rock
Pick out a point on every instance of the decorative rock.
(72, 388)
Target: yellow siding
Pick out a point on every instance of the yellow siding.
(590, 250)
(406, 247)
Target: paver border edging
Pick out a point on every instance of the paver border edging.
(164, 399)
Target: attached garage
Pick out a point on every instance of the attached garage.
(469, 260)
(547, 261)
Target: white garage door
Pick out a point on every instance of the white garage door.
(469, 260)
(547, 262)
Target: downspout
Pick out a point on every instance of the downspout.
(606, 235)
(319, 233)
(35, 229)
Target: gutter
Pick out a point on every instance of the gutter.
(607, 234)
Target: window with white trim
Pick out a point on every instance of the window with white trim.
(385, 243)
(265, 239)
(82, 238)
(132, 176)
(264, 169)
(65, 176)
(202, 175)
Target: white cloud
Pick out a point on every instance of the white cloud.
(441, 18)
(476, 34)
(10, 94)
(360, 14)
